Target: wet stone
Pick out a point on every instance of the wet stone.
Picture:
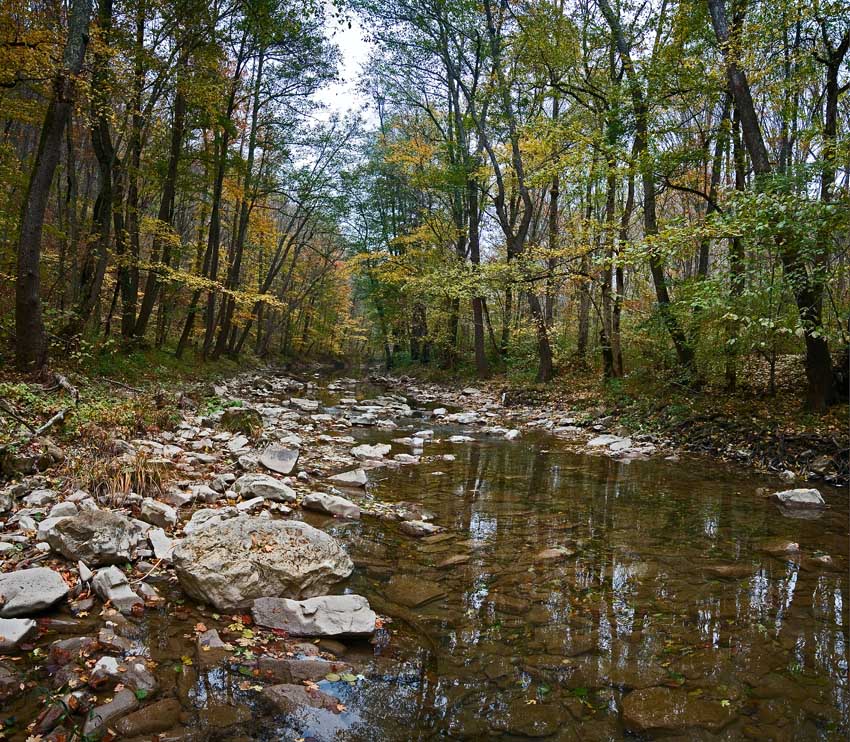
(289, 698)
(413, 592)
(152, 719)
(99, 718)
(669, 709)
(529, 720)
(287, 670)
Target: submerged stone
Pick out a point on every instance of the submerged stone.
(673, 709)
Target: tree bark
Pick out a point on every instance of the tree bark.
(807, 288)
(30, 334)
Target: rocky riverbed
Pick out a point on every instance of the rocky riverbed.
(237, 565)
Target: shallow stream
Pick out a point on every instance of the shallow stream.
(562, 583)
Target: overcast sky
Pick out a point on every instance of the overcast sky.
(343, 97)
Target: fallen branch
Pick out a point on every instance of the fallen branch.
(68, 387)
(10, 411)
(121, 384)
(57, 418)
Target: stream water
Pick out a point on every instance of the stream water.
(519, 645)
(492, 634)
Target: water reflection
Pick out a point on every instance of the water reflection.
(529, 643)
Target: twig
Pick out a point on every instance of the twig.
(122, 385)
(147, 574)
(9, 410)
(68, 387)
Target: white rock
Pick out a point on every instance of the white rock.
(162, 544)
(158, 513)
(235, 562)
(62, 510)
(329, 615)
(331, 504)
(365, 452)
(250, 506)
(13, 631)
(262, 485)
(85, 573)
(353, 478)
(30, 591)
(799, 499)
(280, 459)
(111, 584)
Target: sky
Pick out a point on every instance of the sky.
(342, 97)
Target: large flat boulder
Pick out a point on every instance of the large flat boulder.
(234, 562)
(30, 591)
(329, 615)
(98, 537)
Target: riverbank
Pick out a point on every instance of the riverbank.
(139, 539)
(769, 433)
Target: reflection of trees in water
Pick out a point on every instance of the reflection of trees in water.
(635, 588)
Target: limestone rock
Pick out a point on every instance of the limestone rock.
(13, 631)
(162, 544)
(365, 452)
(353, 478)
(30, 591)
(280, 459)
(232, 563)
(158, 513)
(331, 504)
(111, 584)
(330, 615)
(97, 537)
(799, 499)
(262, 485)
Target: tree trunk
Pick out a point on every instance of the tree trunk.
(162, 241)
(30, 334)
(807, 289)
(684, 351)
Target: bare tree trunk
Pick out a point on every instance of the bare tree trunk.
(30, 335)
